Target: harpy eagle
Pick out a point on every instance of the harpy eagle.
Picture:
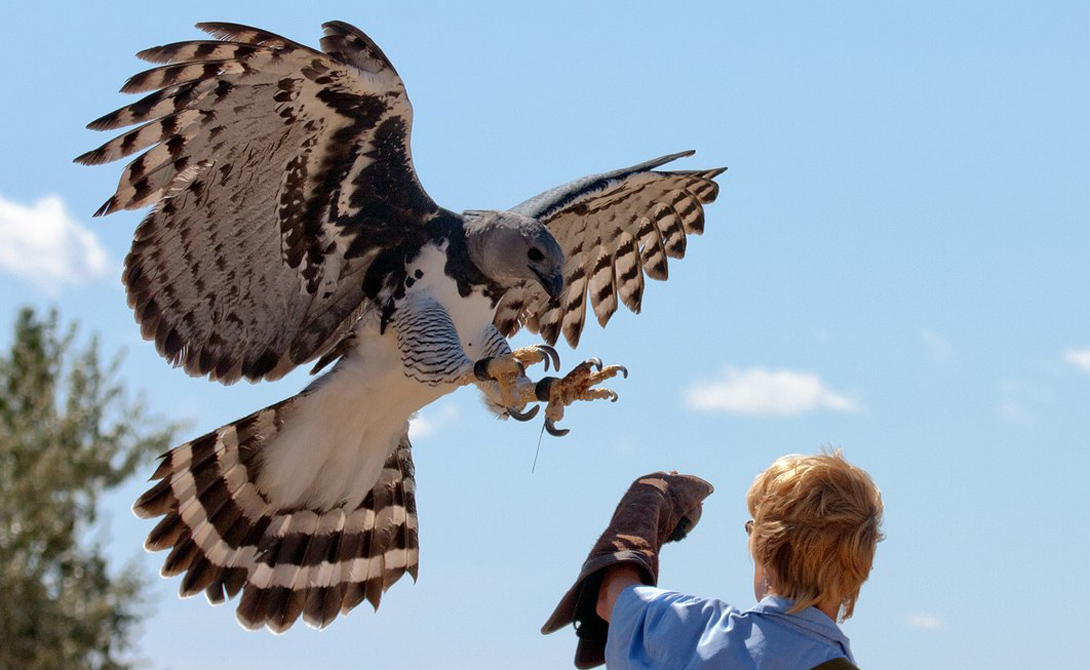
(288, 226)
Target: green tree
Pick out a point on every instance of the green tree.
(68, 432)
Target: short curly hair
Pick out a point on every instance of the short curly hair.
(816, 524)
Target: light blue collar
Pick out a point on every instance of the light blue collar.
(811, 619)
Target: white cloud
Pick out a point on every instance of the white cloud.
(1012, 412)
(44, 245)
(764, 392)
(1010, 407)
(1080, 358)
(940, 348)
(927, 622)
(426, 424)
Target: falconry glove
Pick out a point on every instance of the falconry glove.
(658, 508)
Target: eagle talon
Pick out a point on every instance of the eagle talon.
(551, 429)
(523, 416)
(594, 362)
(538, 353)
(508, 374)
(551, 353)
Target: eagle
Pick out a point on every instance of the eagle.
(288, 226)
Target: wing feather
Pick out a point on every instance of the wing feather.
(277, 173)
(197, 50)
(603, 292)
(183, 73)
(614, 228)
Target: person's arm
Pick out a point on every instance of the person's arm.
(617, 578)
(659, 507)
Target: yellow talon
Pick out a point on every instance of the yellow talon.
(576, 385)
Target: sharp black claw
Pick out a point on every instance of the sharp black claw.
(594, 362)
(624, 371)
(520, 416)
(553, 430)
(550, 354)
(612, 396)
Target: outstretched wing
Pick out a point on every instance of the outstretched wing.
(614, 228)
(278, 174)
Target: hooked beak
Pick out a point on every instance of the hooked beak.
(553, 284)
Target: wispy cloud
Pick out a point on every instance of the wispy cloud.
(1010, 407)
(426, 424)
(44, 245)
(767, 392)
(928, 622)
(1013, 412)
(1080, 358)
(940, 348)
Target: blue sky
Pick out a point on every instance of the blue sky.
(897, 266)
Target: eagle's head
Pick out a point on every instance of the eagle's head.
(510, 248)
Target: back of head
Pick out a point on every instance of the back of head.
(816, 523)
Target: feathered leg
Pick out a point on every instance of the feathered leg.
(431, 352)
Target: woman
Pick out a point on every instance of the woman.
(813, 535)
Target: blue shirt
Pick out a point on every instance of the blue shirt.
(651, 628)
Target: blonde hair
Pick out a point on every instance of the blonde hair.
(816, 525)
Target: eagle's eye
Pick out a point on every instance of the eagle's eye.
(535, 254)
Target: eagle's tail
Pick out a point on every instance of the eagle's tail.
(226, 537)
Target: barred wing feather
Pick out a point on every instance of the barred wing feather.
(615, 228)
(277, 174)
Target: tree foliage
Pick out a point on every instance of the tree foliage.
(68, 432)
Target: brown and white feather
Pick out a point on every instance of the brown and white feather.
(227, 537)
(615, 229)
(277, 173)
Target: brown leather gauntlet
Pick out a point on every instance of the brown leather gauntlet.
(659, 507)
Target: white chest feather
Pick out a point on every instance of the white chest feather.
(333, 444)
(471, 314)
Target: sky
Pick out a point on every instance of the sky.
(897, 266)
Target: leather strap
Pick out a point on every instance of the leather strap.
(836, 664)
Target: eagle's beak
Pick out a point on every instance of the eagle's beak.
(553, 284)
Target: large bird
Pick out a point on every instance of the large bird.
(288, 226)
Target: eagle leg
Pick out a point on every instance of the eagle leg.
(576, 385)
(523, 416)
(509, 375)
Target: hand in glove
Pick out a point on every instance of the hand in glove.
(659, 507)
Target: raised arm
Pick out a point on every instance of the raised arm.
(615, 579)
(658, 508)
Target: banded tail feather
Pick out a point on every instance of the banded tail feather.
(227, 538)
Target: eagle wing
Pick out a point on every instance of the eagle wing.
(614, 228)
(278, 175)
